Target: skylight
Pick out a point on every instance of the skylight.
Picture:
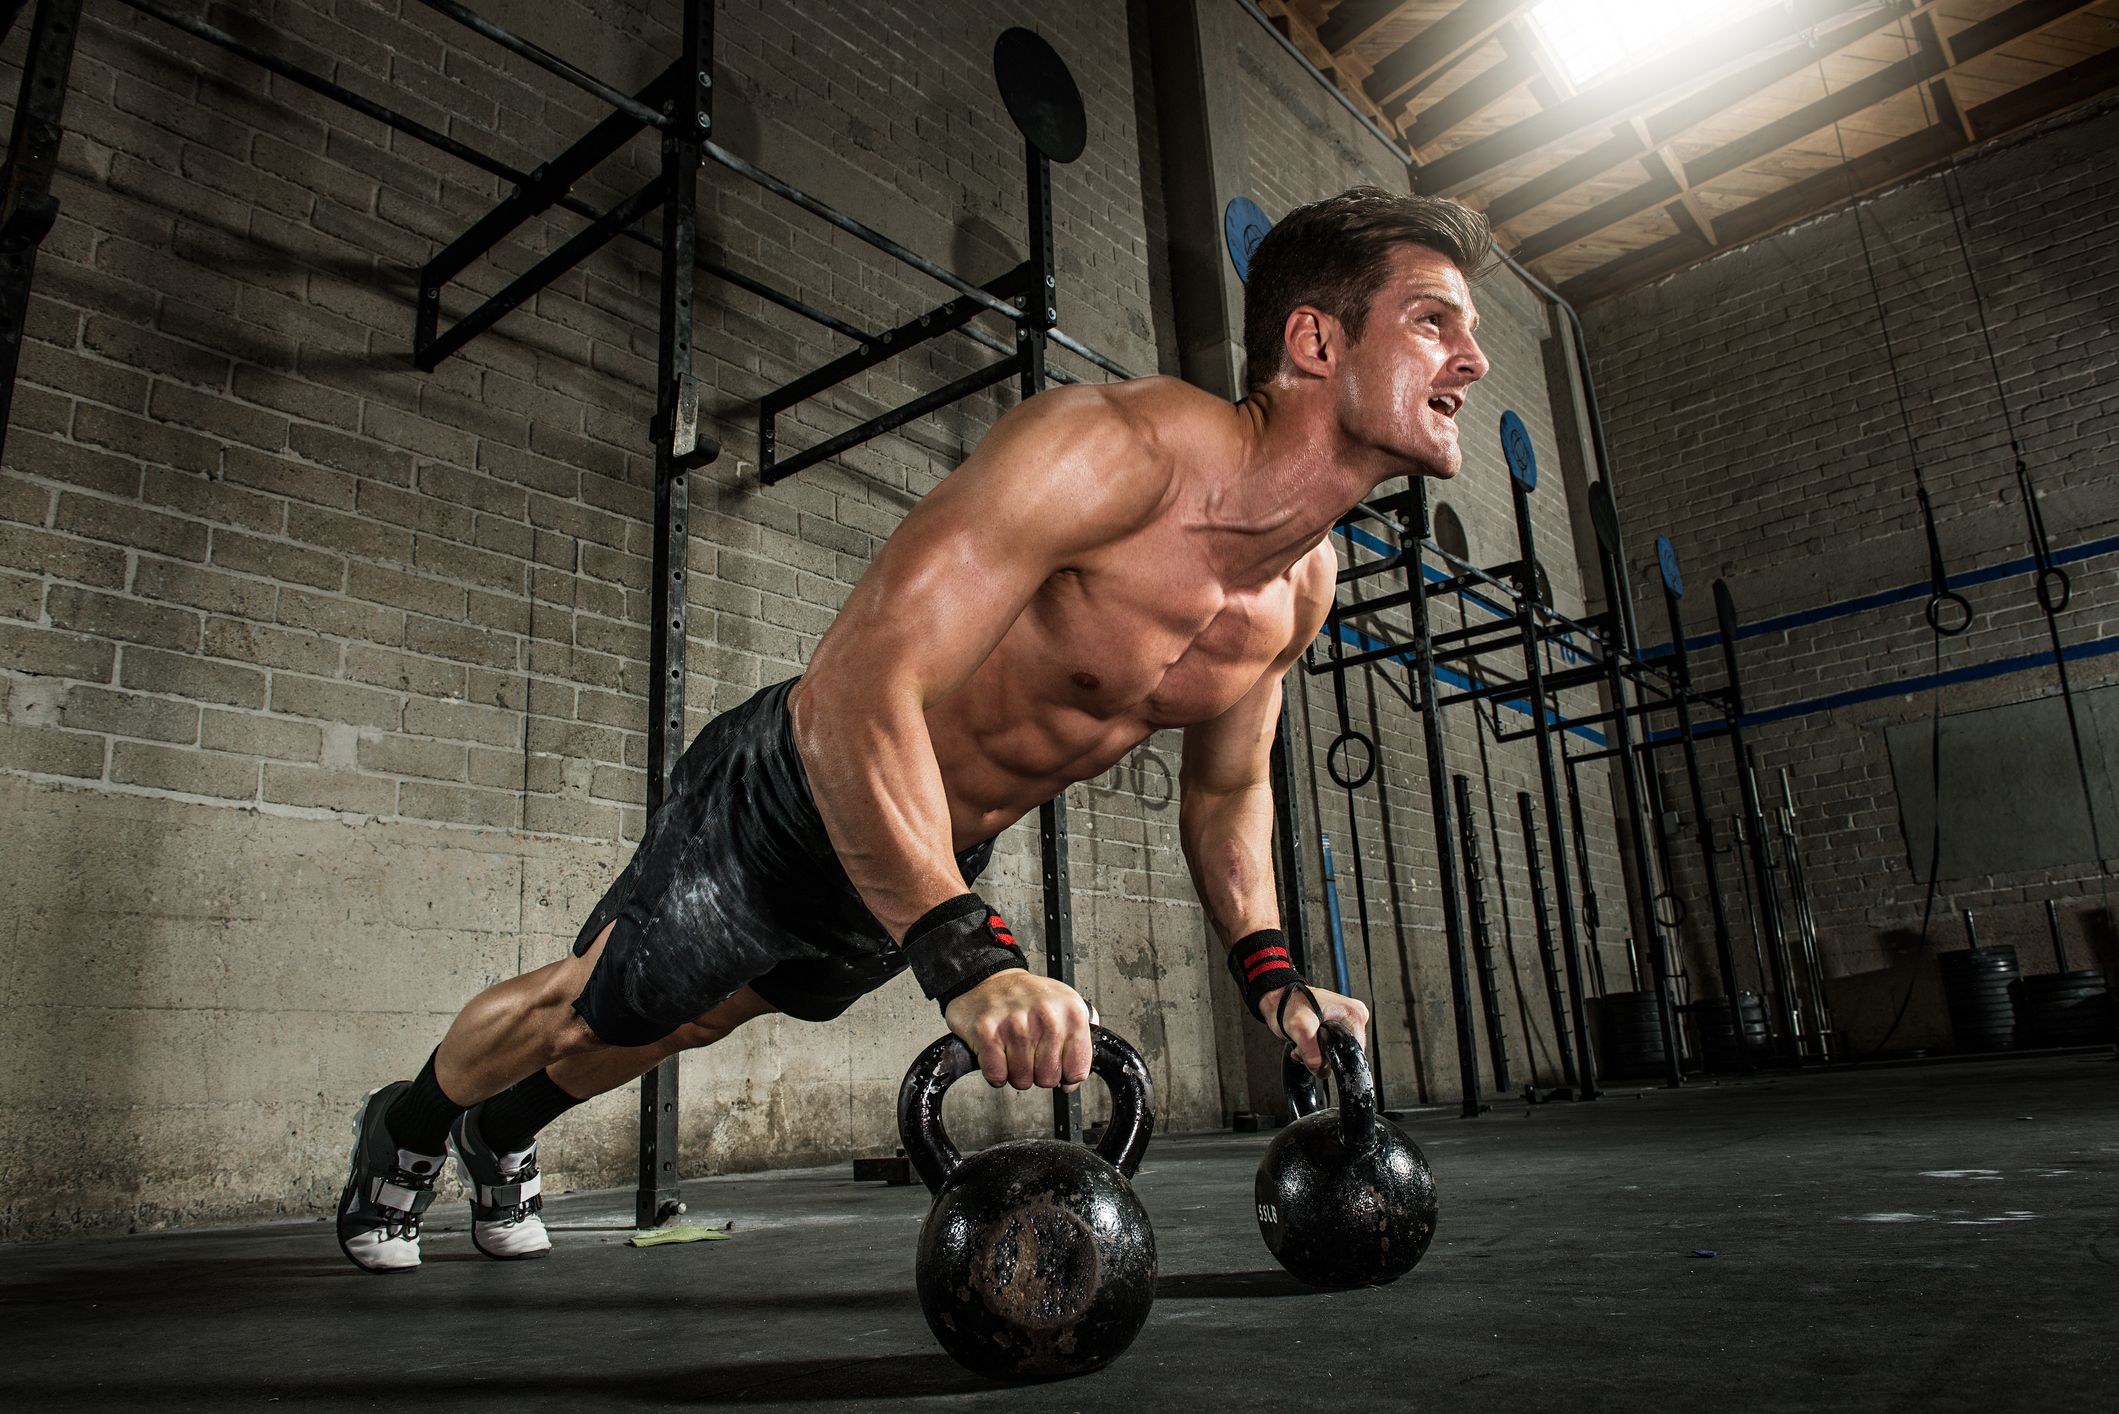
(1594, 39)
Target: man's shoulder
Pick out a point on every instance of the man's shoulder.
(1146, 408)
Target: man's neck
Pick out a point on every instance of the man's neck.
(1297, 477)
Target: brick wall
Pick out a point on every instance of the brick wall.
(1753, 419)
(1303, 146)
(279, 607)
(322, 680)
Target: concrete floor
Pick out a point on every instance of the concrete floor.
(1931, 1238)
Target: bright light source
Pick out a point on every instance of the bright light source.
(1595, 38)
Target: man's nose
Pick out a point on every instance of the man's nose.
(1471, 360)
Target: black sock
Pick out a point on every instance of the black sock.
(419, 1119)
(511, 1119)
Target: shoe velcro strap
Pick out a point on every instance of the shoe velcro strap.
(414, 1201)
(508, 1195)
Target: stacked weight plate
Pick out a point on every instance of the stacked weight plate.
(1977, 985)
(1629, 1037)
(1718, 1041)
(2065, 1009)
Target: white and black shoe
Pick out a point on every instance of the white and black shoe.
(507, 1196)
(387, 1188)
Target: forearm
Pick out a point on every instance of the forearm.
(877, 787)
(1228, 844)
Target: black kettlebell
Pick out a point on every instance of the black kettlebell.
(1036, 1260)
(1344, 1198)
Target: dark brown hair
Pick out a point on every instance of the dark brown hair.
(1334, 254)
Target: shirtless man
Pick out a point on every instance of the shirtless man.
(1110, 561)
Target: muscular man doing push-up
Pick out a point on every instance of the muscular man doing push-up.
(1110, 561)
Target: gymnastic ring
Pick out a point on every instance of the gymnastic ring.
(1935, 617)
(1368, 760)
(1678, 911)
(2049, 601)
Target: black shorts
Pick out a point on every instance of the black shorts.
(735, 883)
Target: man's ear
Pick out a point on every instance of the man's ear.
(1312, 338)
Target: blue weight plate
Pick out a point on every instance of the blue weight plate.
(1515, 445)
(1666, 555)
(1243, 226)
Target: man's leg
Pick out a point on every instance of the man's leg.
(508, 1033)
(496, 1141)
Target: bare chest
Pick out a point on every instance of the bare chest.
(1160, 643)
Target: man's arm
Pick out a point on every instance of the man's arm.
(1058, 477)
(1225, 810)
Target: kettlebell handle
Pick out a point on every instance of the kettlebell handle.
(1357, 1088)
(949, 1060)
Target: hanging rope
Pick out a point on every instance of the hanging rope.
(1948, 612)
(2050, 583)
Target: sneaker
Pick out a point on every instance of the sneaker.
(507, 1196)
(387, 1189)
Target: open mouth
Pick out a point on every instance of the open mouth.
(1446, 404)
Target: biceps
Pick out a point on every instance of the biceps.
(1233, 752)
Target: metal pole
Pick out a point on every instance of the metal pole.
(1548, 954)
(1618, 650)
(1035, 319)
(1592, 911)
(1410, 536)
(553, 64)
(1785, 1013)
(1482, 932)
(1806, 921)
(1584, 1064)
(676, 434)
(27, 207)
(1333, 921)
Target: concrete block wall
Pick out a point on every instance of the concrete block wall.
(1302, 145)
(1752, 418)
(322, 679)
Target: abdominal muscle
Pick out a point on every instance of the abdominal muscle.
(1074, 685)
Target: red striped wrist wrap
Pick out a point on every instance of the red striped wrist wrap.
(957, 945)
(1261, 965)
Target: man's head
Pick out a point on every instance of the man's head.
(1371, 291)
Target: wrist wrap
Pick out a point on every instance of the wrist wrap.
(957, 945)
(1260, 965)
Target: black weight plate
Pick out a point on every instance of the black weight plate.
(1040, 94)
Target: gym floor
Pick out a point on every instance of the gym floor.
(1926, 1237)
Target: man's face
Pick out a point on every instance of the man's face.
(1402, 384)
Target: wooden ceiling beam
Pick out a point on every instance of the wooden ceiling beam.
(1889, 165)
(1926, 62)
(2044, 97)
(1455, 34)
(1624, 145)
(1292, 24)
(1678, 119)
(1486, 87)
(1624, 96)
(1351, 20)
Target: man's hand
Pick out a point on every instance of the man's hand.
(1026, 1030)
(1303, 1022)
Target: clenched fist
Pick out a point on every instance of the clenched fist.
(1302, 1021)
(1026, 1030)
